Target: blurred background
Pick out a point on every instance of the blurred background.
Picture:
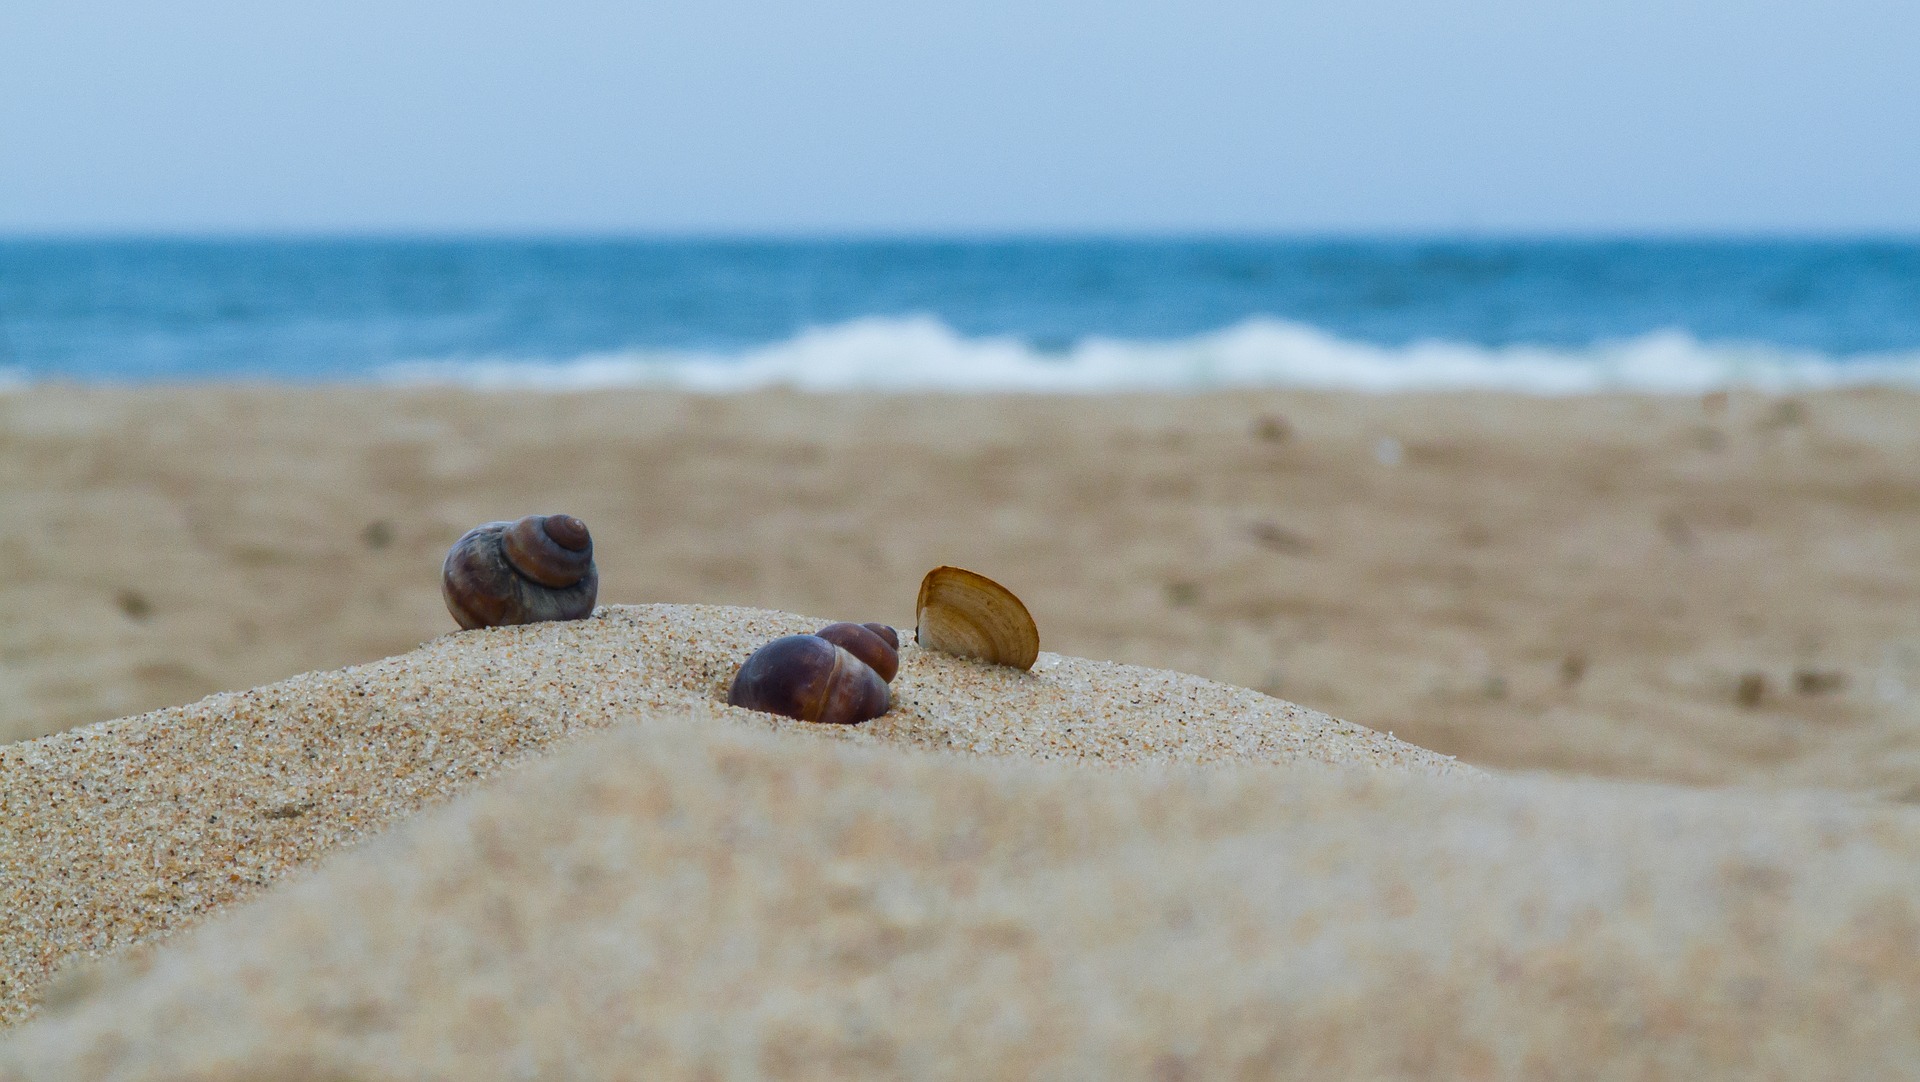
(1536, 383)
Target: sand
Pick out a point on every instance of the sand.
(123, 832)
(704, 899)
(552, 851)
(1579, 585)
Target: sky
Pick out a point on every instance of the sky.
(995, 116)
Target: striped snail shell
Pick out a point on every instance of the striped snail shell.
(808, 678)
(537, 568)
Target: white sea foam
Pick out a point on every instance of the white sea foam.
(919, 354)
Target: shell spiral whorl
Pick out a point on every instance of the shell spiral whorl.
(876, 644)
(552, 550)
(537, 568)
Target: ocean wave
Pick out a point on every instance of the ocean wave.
(924, 354)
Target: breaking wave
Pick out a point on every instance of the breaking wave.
(924, 354)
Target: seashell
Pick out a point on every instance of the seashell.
(876, 644)
(807, 678)
(538, 568)
(961, 612)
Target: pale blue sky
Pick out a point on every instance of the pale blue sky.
(997, 115)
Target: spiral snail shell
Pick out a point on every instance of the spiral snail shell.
(817, 678)
(537, 568)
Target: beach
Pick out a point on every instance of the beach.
(791, 544)
(1374, 736)
(1710, 591)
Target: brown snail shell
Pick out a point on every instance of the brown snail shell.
(807, 678)
(876, 644)
(966, 613)
(537, 568)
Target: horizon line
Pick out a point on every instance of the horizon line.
(959, 236)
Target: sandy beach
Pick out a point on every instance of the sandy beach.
(702, 543)
(1709, 592)
(1649, 667)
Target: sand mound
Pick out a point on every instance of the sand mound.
(706, 900)
(119, 833)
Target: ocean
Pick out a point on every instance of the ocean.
(1070, 315)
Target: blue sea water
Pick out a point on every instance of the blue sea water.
(1547, 316)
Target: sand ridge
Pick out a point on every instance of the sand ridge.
(115, 834)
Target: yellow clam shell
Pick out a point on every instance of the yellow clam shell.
(965, 613)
